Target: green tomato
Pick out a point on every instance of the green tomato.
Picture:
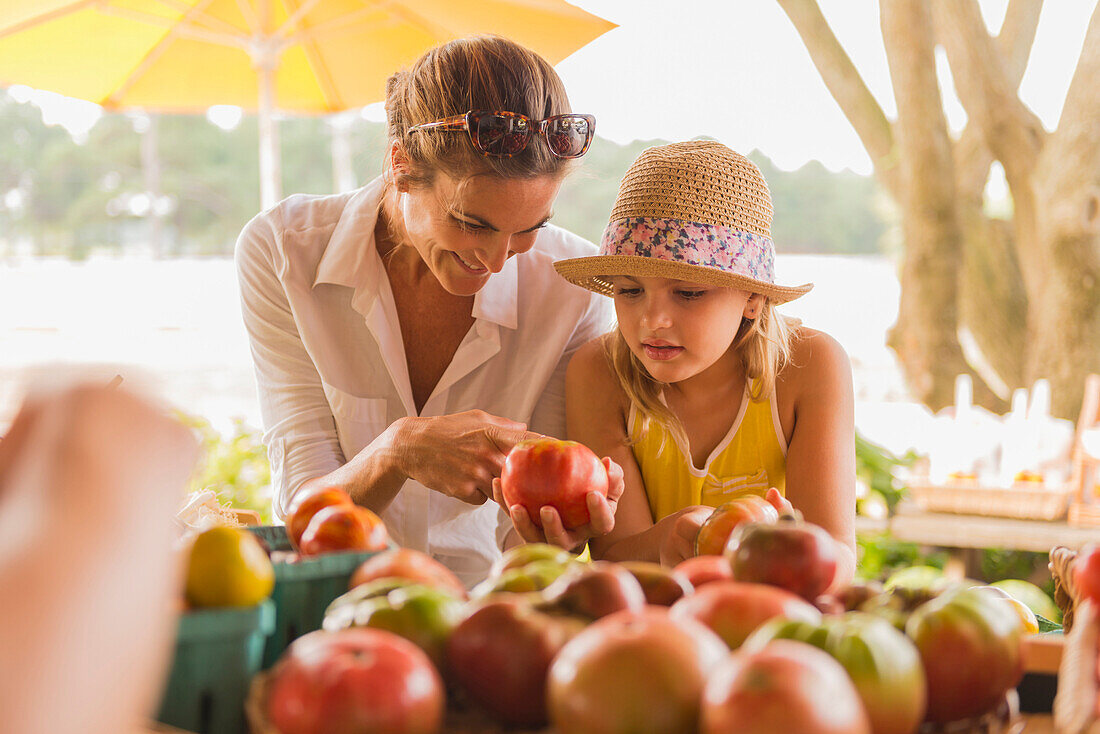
(969, 643)
(1031, 595)
(533, 576)
(881, 661)
(917, 577)
(421, 614)
(521, 555)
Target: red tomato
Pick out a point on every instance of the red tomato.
(969, 643)
(407, 563)
(341, 528)
(355, 680)
(662, 586)
(797, 556)
(704, 569)
(1086, 572)
(550, 472)
(716, 530)
(310, 505)
(734, 610)
(882, 662)
(632, 673)
(500, 655)
(787, 686)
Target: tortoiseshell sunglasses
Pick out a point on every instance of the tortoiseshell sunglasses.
(505, 134)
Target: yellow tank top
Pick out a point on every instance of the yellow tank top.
(751, 458)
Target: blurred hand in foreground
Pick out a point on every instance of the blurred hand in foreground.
(90, 478)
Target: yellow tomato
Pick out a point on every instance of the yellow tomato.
(228, 568)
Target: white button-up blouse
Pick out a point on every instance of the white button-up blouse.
(331, 369)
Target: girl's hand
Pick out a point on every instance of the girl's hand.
(781, 504)
(601, 512)
(678, 542)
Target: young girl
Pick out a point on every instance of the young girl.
(704, 390)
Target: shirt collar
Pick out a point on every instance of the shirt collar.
(350, 260)
(497, 301)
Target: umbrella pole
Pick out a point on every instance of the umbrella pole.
(270, 169)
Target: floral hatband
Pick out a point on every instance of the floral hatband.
(692, 243)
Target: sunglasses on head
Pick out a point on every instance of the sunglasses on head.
(505, 134)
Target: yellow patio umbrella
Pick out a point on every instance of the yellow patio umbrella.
(305, 56)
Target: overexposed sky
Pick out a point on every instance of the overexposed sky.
(736, 70)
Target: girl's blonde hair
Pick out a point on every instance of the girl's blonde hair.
(477, 73)
(763, 344)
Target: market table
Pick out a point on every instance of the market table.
(950, 530)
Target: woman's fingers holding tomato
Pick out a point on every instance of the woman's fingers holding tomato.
(498, 493)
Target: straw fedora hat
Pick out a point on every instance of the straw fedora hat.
(694, 211)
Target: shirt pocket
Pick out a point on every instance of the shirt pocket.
(719, 490)
(358, 420)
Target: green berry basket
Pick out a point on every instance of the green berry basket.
(304, 587)
(218, 651)
(273, 536)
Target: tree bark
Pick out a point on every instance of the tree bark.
(1028, 290)
(1065, 342)
(925, 337)
(1011, 132)
(992, 301)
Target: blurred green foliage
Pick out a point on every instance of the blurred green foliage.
(877, 467)
(74, 197)
(234, 466)
(879, 555)
(998, 564)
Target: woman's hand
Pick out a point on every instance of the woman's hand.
(680, 531)
(601, 512)
(457, 455)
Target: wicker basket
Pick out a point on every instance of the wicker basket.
(1022, 501)
(1065, 588)
(1084, 514)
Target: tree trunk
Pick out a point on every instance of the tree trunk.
(992, 306)
(925, 337)
(992, 302)
(1066, 326)
(1028, 291)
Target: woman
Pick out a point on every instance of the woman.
(401, 348)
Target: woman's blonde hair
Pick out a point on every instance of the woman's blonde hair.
(477, 73)
(763, 345)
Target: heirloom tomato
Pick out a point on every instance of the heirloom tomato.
(549, 472)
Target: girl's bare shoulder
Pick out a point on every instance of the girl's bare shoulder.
(817, 361)
(590, 377)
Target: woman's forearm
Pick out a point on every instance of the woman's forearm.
(375, 475)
